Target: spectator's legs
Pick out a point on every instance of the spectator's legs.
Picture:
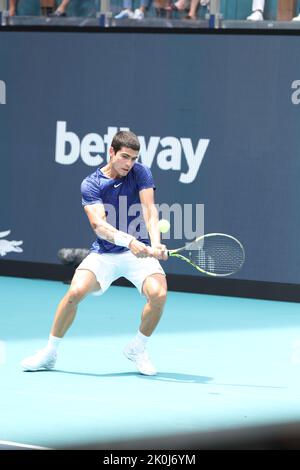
(193, 9)
(127, 5)
(63, 6)
(12, 7)
(127, 10)
(140, 12)
(297, 18)
(180, 5)
(145, 5)
(257, 10)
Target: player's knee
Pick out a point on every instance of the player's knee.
(158, 296)
(75, 294)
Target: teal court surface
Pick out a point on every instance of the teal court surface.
(223, 363)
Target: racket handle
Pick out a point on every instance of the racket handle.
(152, 251)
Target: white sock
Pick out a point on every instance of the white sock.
(140, 341)
(53, 343)
(258, 5)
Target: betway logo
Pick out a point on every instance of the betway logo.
(170, 153)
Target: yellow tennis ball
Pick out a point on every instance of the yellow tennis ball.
(163, 225)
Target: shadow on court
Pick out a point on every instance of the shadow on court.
(162, 376)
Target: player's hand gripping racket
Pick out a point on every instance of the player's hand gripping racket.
(214, 254)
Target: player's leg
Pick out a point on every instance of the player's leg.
(83, 282)
(155, 290)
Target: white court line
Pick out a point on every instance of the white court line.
(27, 446)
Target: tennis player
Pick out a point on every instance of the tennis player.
(116, 252)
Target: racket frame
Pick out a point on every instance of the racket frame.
(176, 253)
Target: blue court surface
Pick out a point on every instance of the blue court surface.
(223, 363)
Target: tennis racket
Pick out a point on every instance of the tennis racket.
(214, 254)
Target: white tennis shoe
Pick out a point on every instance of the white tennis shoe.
(124, 14)
(43, 359)
(141, 360)
(138, 14)
(255, 16)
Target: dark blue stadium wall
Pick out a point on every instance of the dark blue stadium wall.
(218, 116)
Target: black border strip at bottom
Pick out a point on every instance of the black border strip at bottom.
(194, 284)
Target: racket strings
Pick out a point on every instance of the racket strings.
(219, 255)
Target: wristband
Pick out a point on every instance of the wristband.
(122, 238)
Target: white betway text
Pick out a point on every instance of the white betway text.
(169, 153)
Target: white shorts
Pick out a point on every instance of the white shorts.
(108, 267)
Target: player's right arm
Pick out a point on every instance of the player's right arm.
(106, 231)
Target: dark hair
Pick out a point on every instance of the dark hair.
(125, 139)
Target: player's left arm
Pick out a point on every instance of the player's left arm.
(150, 214)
